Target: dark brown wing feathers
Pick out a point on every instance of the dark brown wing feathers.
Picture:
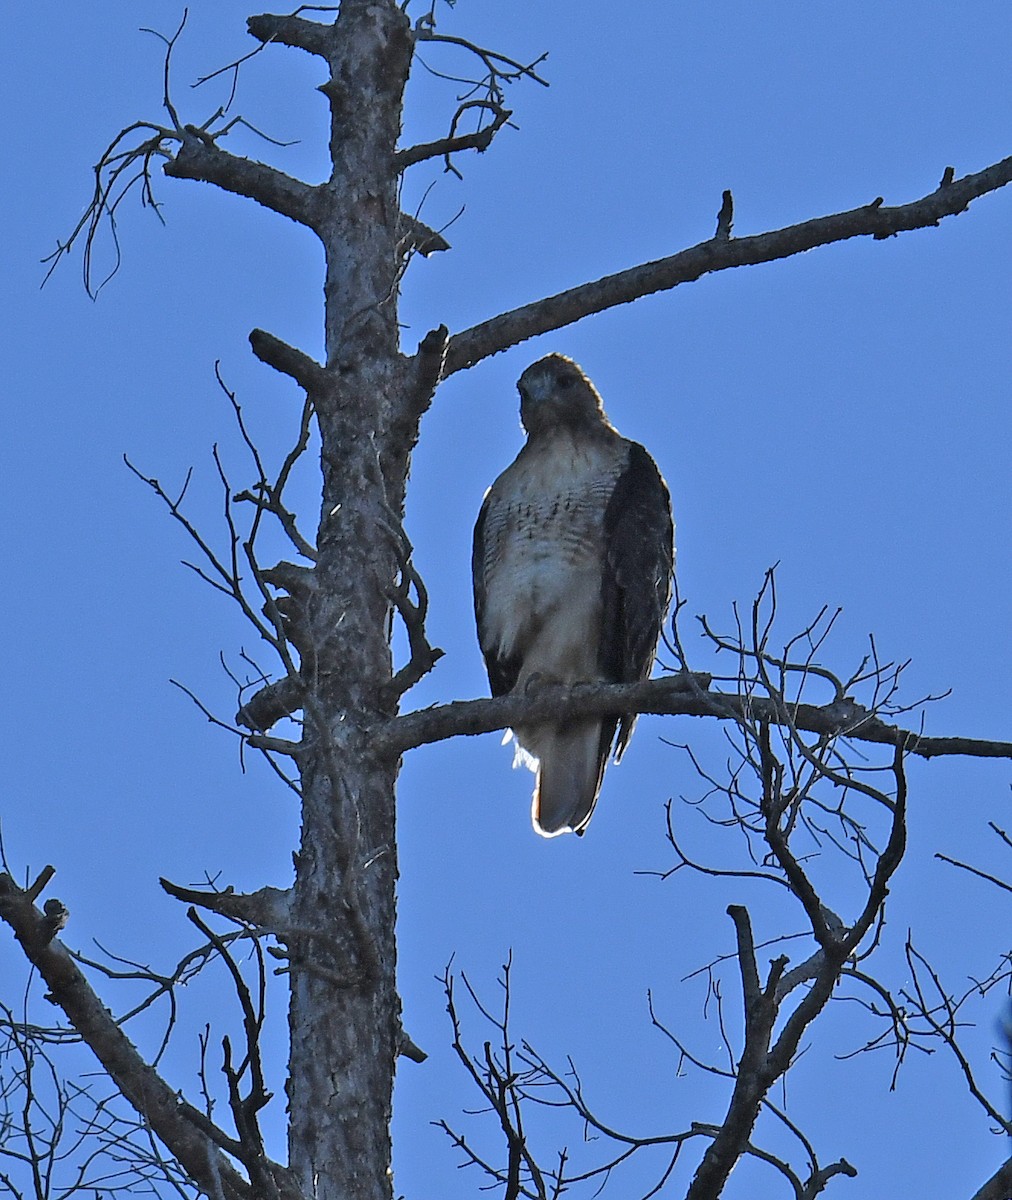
(636, 588)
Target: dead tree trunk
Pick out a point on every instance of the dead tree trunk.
(344, 1017)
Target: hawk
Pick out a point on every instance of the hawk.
(572, 563)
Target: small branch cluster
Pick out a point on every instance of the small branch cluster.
(161, 1113)
(519, 1086)
(188, 151)
(56, 1123)
(268, 497)
(279, 620)
(59, 1137)
(279, 602)
(801, 803)
(158, 986)
(422, 656)
(484, 99)
(775, 793)
(937, 1014)
(506, 1079)
(269, 1181)
(927, 1012)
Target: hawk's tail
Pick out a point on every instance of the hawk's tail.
(571, 762)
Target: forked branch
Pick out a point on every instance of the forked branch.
(187, 151)
(484, 97)
(176, 1123)
(61, 1137)
(479, 139)
(517, 1083)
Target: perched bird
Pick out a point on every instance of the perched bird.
(572, 563)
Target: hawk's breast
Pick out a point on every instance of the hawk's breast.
(544, 555)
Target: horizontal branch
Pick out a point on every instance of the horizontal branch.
(271, 703)
(681, 695)
(717, 254)
(267, 909)
(297, 365)
(199, 158)
(416, 235)
(479, 140)
(169, 1117)
(312, 36)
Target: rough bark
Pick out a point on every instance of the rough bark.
(344, 1014)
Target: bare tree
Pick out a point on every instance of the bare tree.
(815, 783)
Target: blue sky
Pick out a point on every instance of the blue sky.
(844, 414)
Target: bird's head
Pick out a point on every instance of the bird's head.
(554, 391)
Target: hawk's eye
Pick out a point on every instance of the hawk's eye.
(565, 380)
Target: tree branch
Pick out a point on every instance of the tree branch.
(717, 254)
(684, 694)
(272, 703)
(268, 909)
(312, 36)
(419, 236)
(158, 1104)
(297, 365)
(479, 140)
(750, 985)
(753, 1077)
(199, 158)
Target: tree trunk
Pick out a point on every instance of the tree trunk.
(344, 1018)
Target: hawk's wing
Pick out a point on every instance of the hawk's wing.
(636, 588)
(502, 672)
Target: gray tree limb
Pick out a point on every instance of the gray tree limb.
(268, 908)
(199, 158)
(479, 140)
(296, 364)
(684, 695)
(720, 252)
(311, 36)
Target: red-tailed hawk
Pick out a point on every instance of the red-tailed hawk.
(572, 562)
